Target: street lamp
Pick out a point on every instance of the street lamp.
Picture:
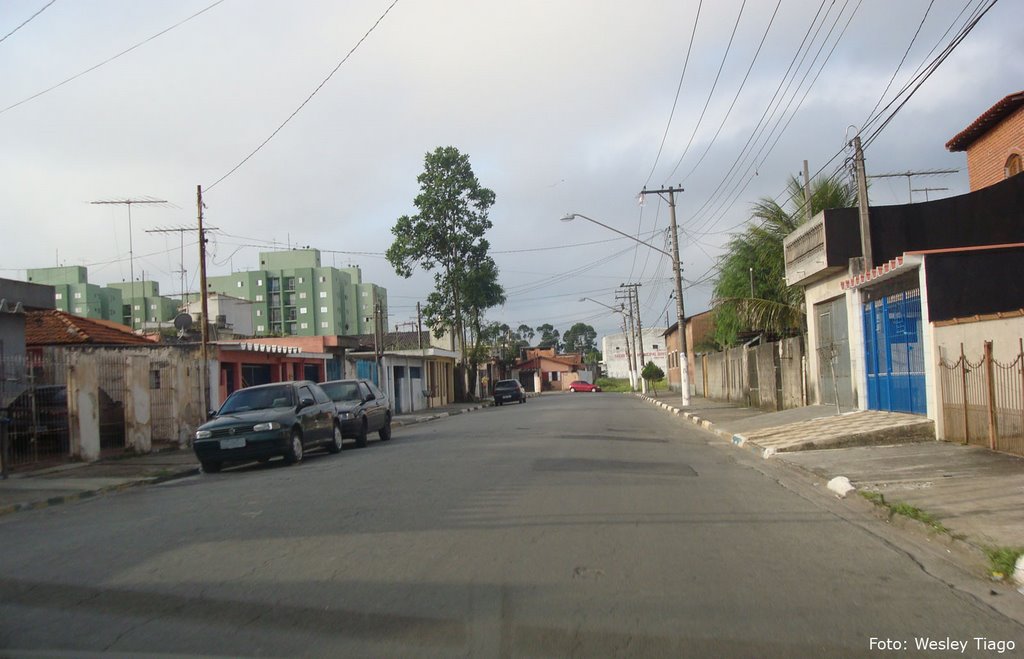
(633, 376)
(684, 376)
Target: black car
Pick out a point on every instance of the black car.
(258, 423)
(362, 408)
(508, 391)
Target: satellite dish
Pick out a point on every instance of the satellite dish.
(182, 322)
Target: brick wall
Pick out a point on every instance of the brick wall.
(986, 158)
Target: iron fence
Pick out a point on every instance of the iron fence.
(34, 402)
(983, 401)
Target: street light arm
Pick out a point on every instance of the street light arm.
(619, 310)
(570, 216)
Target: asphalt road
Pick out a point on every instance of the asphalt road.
(574, 525)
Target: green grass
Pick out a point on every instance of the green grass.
(1003, 560)
(906, 510)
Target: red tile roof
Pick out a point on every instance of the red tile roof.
(982, 124)
(53, 327)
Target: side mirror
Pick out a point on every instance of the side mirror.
(210, 414)
(306, 402)
(368, 398)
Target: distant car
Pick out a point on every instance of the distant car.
(362, 408)
(581, 385)
(258, 423)
(508, 391)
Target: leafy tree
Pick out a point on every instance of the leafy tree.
(446, 236)
(482, 291)
(771, 307)
(549, 337)
(579, 338)
(652, 373)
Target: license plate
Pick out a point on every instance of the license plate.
(234, 442)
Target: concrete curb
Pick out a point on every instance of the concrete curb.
(186, 472)
(737, 440)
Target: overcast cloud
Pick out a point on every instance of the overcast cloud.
(560, 105)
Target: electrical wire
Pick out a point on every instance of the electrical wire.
(308, 98)
(27, 21)
(110, 59)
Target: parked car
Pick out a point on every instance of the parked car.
(582, 385)
(258, 423)
(508, 391)
(362, 408)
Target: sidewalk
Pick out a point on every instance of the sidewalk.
(75, 481)
(973, 492)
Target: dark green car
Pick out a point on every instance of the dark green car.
(258, 423)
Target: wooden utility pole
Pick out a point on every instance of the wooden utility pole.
(634, 308)
(677, 269)
(807, 191)
(205, 311)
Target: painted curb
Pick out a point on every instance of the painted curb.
(738, 441)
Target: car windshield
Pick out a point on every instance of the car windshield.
(261, 398)
(342, 392)
(506, 384)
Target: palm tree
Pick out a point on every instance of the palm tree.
(750, 292)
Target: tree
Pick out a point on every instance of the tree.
(652, 373)
(446, 236)
(580, 338)
(481, 292)
(757, 254)
(549, 337)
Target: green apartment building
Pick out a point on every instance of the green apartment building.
(74, 294)
(293, 295)
(142, 304)
(125, 303)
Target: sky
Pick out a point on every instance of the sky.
(565, 106)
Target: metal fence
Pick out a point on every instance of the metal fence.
(983, 400)
(34, 401)
(769, 376)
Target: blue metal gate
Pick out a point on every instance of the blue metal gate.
(894, 353)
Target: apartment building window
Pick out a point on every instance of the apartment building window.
(78, 309)
(364, 293)
(78, 296)
(136, 308)
(303, 310)
(240, 284)
(275, 328)
(289, 283)
(302, 280)
(324, 324)
(323, 279)
(273, 284)
(323, 309)
(291, 314)
(302, 296)
(275, 299)
(259, 298)
(152, 307)
(58, 296)
(275, 315)
(304, 326)
(259, 282)
(259, 328)
(323, 294)
(259, 313)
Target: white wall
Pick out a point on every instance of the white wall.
(613, 347)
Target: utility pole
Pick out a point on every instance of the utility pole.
(131, 252)
(807, 191)
(181, 231)
(627, 295)
(204, 350)
(677, 268)
(419, 327)
(862, 200)
(634, 308)
(629, 354)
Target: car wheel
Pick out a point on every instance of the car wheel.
(522, 400)
(294, 452)
(385, 431)
(572, 389)
(210, 466)
(361, 437)
(336, 441)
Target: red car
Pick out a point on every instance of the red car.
(580, 385)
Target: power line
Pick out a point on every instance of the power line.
(110, 59)
(308, 98)
(27, 21)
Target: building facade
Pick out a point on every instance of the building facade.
(616, 359)
(994, 142)
(142, 304)
(292, 294)
(74, 294)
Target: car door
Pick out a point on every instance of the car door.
(376, 407)
(310, 416)
(327, 411)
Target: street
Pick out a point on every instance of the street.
(574, 525)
